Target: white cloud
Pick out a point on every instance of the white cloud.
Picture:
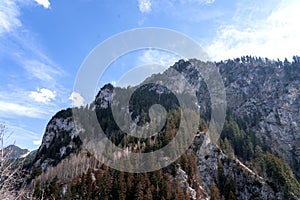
(42, 95)
(273, 36)
(158, 57)
(37, 142)
(144, 6)
(44, 3)
(8, 109)
(9, 16)
(194, 11)
(208, 1)
(197, 1)
(77, 99)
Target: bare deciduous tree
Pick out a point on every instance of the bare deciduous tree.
(3, 130)
(12, 181)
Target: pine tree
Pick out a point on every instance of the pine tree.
(139, 194)
(215, 193)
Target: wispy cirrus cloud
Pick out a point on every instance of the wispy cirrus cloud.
(266, 30)
(19, 45)
(197, 1)
(21, 106)
(9, 16)
(14, 109)
(193, 11)
(22, 103)
(41, 70)
(21, 113)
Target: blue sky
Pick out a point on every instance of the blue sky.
(44, 42)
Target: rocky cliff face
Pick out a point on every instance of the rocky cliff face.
(264, 93)
(269, 95)
(60, 140)
(217, 168)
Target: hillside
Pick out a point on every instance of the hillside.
(257, 156)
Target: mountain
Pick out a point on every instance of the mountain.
(256, 157)
(265, 95)
(13, 152)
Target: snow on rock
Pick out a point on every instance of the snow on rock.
(58, 125)
(58, 131)
(25, 155)
(62, 151)
(183, 178)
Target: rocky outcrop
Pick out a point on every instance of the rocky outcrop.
(216, 168)
(60, 140)
(104, 96)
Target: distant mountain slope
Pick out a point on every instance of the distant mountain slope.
(13, 152)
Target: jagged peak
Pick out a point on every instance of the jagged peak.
(106, 87)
